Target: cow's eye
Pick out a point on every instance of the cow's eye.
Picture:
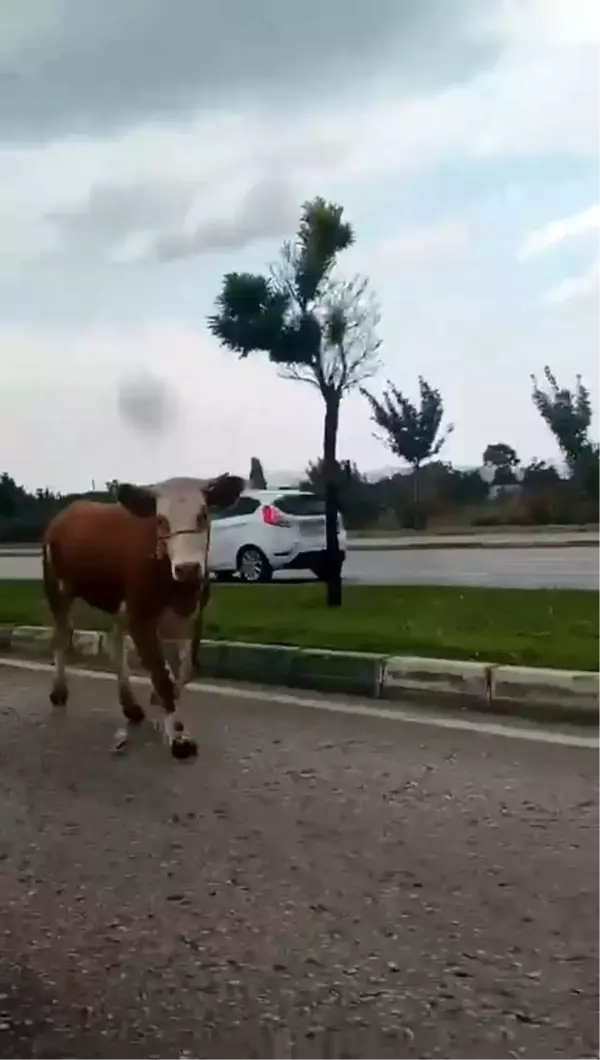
(163, 526)
(201, 520)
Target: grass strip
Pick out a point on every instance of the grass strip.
(530, 627)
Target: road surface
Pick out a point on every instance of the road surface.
(573, 568)
(314, 884)
(543, 536)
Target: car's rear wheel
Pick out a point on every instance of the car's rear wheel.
(253, 565)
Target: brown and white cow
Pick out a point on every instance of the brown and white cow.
(143, 560)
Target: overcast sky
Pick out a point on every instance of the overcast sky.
(148, 147)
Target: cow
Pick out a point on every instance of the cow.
(142, 559)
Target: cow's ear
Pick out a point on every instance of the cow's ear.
(137, 500)
(223, 491)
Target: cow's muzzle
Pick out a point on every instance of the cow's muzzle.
(188, 573)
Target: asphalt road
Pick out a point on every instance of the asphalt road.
(574, 568)
(314, 884)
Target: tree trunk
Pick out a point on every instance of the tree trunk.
(333, 559)
(417, 520)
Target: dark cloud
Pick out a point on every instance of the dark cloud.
(268, 210)
(112, 212)
(77, 66)
(157, 222)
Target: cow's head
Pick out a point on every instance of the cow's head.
(182, 509)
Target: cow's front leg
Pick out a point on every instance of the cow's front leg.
(180, 640)
(151, 656)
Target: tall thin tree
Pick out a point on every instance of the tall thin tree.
(568, 414)
(412, 432)
(317, 326)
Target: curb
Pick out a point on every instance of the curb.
(540, 694)
(414, 544)
(409, 545)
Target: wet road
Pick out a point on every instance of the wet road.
(314, 884)
(573, 568)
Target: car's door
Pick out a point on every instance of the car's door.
(227, 533)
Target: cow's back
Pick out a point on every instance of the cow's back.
(94, 550)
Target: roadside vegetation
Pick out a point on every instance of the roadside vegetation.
(425, 493)
(554, 628)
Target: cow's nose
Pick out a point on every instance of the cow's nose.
(187, 572)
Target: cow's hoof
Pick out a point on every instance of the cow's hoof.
(59, 695)
(184, 747)
(121, 742)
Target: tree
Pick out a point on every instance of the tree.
(466, 487)
(540, 475)
(567, 413)
(411, 432)
(257, 478)
(11, 496)
(316, 326)
(503, 458)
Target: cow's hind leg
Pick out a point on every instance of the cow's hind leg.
(132, 710)
(60, 602)
(59, 692)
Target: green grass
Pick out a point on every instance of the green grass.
(549, 627)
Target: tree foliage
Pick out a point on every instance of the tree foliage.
(358, 500)
(412, 432)
(318, 326)
(568, 414)
(540, 475)
(465, 487)
(500, 454)
(503, 458)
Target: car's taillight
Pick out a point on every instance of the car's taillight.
(273, 517)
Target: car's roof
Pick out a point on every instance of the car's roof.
(270, 493)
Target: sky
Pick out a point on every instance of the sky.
(146, 148)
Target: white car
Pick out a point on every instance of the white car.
(270, 530)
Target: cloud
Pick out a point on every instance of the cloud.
(111, 214)
(548, 22)
(268, 210)
(140, 133)
(165, 219)
(176, 190)
(200, 111)
(557, 232)
(583, 286)
(79, 68)
(425, 247)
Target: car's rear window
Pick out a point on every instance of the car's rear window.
(243, 506)
(300, 504)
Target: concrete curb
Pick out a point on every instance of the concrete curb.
(442, 545)
(524, 691)
(416, 544)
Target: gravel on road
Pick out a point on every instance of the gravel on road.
(312, 885)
